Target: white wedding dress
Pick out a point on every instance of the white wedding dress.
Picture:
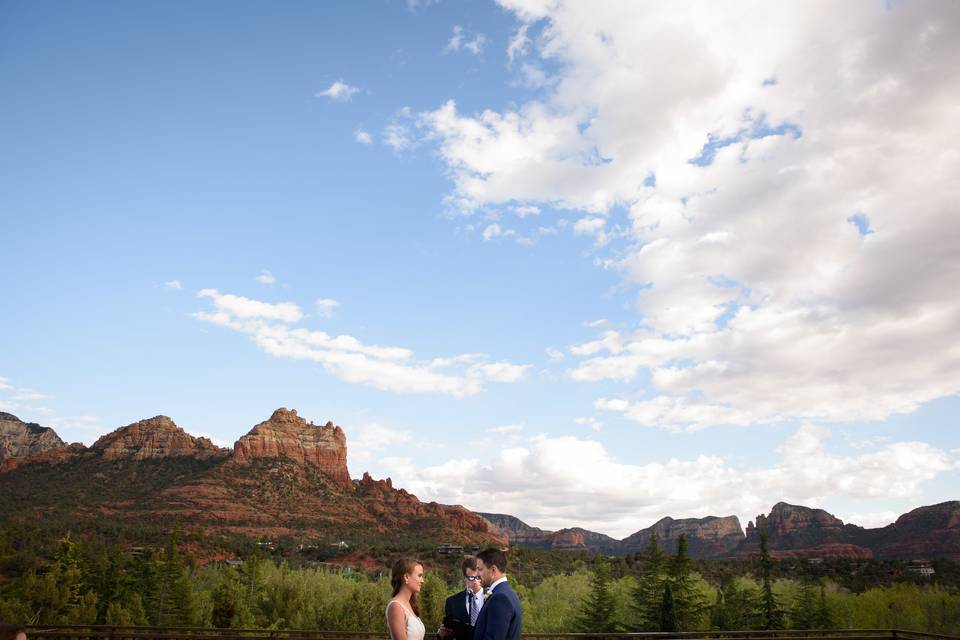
(415, 628)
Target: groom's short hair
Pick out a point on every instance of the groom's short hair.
(493, 557)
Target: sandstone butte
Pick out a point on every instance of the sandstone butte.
(157, 437)
(20, 440)
(287, 434)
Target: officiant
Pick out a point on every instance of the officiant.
(462, 608)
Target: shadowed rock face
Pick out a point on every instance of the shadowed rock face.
(157, 437)
(706, 537)
(932, 531)
(19, 440)
(287, 434)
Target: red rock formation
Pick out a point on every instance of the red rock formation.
(567, 540)
(287, 434)
(157, 437)
(706, 537)
(19, 440)
(925, 532)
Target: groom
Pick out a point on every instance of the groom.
(500, 616)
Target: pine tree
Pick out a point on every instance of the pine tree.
(597, 613)
(772, 614)
(803, 614)
(688, 603)
(175, 602)
(648, 595)
(824, 618)
(668, 613)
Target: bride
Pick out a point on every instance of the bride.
(403, 610)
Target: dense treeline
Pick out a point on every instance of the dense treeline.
(85, 583)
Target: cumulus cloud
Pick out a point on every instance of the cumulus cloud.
(399, 137)
(363, 137)
(519, 43)
(461, 40)
(373, 438)
(271, 326)
(325, 306)
(792, 216)
(265, 277)
(591, 422)
(539, 480)
(506, 428)
(554, 354)
(231, 308)
(492, 231)
(339, 91)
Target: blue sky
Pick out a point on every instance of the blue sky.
(499, 244)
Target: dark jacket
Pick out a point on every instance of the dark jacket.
(500, 617)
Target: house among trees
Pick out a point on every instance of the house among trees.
(921, 568)
(448, 549)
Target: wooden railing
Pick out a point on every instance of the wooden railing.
(87, 632)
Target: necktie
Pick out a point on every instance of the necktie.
(474, 609)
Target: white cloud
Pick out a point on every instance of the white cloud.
(593, 423)
(499, 371)
(29, 395)
(363, 137)
(540, 480)
(339, 91)
(173, 284)
(5, 383)
(398, 137)
(325, 306)
(413, 5)
(372, 438)
(519, 43)
(791, 260)
(555, 355)
(492, 231)
(461, 40)
(869, 520)
(265, 277)
(239, 308)
(382, 367)
(526, 210)
(507, 428)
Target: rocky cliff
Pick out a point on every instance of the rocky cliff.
(708, 537)
(287, 434)
(157, 437)
(20, 440)
(925, 532)
(517, 531)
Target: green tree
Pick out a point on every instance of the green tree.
(823, 618)
(668, 612)
(648, 596)
(770, 609)
(803, 614)
(688, 603)
(597, 611)
(175, 601)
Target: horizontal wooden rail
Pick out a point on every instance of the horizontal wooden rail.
(101, 632)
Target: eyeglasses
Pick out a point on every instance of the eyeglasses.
(472, 578)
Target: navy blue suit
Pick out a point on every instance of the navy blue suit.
(455, 608)
(500, 616)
